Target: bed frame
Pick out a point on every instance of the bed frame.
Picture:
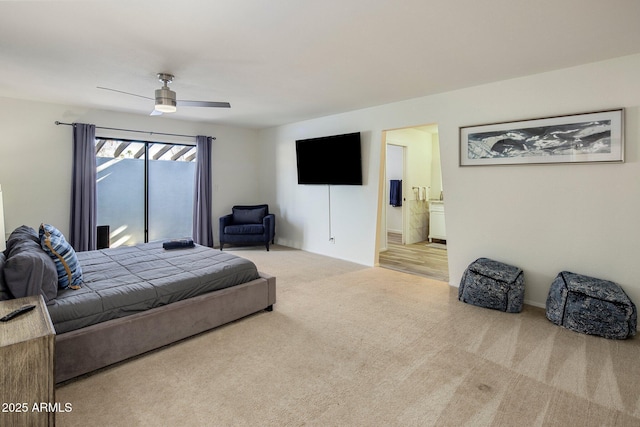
(85, 350)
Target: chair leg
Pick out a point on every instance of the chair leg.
(221, 245)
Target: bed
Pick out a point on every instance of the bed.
(132, 299)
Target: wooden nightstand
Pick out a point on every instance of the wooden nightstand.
(27, 387)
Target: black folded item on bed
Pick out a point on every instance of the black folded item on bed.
(178, 244)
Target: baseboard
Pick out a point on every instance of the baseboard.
(535, 304)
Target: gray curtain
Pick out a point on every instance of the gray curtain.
(202, 226)
(83, 229)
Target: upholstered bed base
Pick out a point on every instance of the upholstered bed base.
(93, 347)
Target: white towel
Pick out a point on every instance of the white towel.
(422, 193)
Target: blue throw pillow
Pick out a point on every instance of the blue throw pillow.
(63, 255)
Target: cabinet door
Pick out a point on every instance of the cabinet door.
(437, 228)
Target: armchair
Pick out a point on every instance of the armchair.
(248, 225)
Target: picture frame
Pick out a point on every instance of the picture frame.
(576, 138)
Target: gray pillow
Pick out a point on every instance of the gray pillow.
(24, 232)
(28, 270)
(249, 216)
(4, 290)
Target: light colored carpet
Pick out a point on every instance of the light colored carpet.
(348, 345)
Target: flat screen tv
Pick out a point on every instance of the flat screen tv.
(333, 160)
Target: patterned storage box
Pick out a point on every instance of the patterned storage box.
(493, 284)
(591, 306)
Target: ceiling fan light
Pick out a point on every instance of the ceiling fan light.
(165, 100)
(166, 108)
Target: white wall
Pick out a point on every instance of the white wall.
(436, 169)
(35, 158)
(543, 218)
(304, 209)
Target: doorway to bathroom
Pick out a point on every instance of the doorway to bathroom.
(412, 232)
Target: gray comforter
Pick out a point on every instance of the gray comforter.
(127, 280)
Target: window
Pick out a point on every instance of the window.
(144, 190)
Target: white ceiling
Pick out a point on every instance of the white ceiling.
(282, 61)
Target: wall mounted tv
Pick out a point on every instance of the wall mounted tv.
(333, 160)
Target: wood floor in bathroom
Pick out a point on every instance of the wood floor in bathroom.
(417, 258)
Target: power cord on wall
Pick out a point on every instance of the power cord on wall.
(331, 238)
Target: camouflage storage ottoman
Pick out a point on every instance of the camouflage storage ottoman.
(493, 284)
(591, 306)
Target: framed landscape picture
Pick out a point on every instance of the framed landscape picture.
(577, 138)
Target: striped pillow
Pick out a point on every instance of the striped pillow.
(63, 255)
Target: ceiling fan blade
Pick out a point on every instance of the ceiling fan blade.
(126, 93)
(203, 104)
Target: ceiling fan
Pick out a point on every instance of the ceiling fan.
(165, 99)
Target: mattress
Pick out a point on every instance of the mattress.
(122, 281)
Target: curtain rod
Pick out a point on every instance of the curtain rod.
(133, 130)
